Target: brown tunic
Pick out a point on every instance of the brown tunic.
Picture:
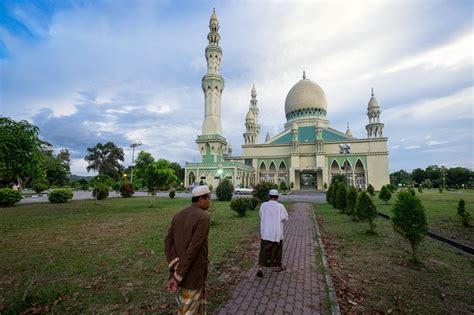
(187, 240)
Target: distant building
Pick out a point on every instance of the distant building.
(305, 155)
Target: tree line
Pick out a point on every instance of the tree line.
(435, 176)
(28, 161)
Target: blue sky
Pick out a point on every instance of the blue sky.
(97, 71)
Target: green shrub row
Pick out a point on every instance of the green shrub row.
(8, 197)
(60, 195)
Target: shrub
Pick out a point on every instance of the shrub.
(391, 188)
(411, 191)
(463, 214)
(366, 210)
(241, 205)
(409, 219)
(84, 184)
(60, 195)
(224, 190)
(100, 192)
(385, 194)
(172, 194)
(371, 190)
(283, 186)
(254, 203)
(341, 194)
(8, 197)
(292, 185)
(420, 189)
(40, 185)
(126, 190)
(329, 194)
(201, 182)
(325, 186)
(261, 190)
(440, 189)
(351, 199)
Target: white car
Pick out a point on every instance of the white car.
(243, 191)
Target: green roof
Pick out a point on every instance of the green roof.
(308, 134)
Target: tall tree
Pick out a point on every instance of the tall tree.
(156, 175)
(456, 176)
(178, 170)
(105, 159)
(400, 177)
(418, 175)
(57, 166)
(20, 151)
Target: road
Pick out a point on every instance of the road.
(83, 195)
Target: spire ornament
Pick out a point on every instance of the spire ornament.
(304, 74)
(372, 93)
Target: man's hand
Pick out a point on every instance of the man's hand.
(172, 285)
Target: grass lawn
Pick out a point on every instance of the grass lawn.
(374, 272)
(441, 212)
(81, 257)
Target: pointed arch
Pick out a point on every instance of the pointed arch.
(272, 167)
(262, 167)
(282, 167)
(191, 178)
(335, 167)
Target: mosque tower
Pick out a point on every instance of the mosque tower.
(374, 127)
(251, 120)
(212, 145)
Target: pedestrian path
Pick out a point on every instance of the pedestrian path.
(297, 290)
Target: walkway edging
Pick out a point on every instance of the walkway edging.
(335, 309)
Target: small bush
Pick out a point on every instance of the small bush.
(241, 206)
(391, 188)
(100, 192)
(254, 202)
(385, 194)
(409, 219)
(325, 186)
(60, 195)
(366, 210)
(329, 194)
(351, 199)
(341, 194)
(440, 190)
(126, 190)
(224, 190)
(8, 197)
(283, 186)
(371, 190)
(172, 194)
(420, 189)
(261, 190)
(292, 185)
(411, 191)
(40, 185)
(463, 214)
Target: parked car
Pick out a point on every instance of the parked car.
(242, 190)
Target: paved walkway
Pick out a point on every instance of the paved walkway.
(297, 290)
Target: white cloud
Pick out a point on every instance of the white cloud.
(412, 147)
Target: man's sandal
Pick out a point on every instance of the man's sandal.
(280, 269)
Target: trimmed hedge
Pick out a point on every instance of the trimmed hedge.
(225, 190)
(8, 197)
(60, 195)
(126, 190)
(241, 205)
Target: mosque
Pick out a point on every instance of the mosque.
(304, 155)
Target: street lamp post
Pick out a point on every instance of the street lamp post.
(133, 146)
(345, 149)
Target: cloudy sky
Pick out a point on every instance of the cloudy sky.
(97, 71)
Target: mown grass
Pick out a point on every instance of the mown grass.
(83, 257)
(375, 271)
(441, 212)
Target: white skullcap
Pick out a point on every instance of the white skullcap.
(200, 190)
(273, 192)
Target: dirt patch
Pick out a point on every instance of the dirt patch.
(349, 298)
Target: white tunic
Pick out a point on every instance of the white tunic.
(272, 216)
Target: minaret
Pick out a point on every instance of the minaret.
(348, 131)
(252, 128)
(212, 145)
(212, 82)
(374, 127)
(267, 138)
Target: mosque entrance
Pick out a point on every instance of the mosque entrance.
(308, 181)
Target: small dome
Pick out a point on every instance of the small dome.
(250, 116)
(373, 103)
(306, 98)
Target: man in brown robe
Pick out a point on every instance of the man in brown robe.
(186, 250)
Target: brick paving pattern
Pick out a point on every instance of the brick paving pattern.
(298, 289)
